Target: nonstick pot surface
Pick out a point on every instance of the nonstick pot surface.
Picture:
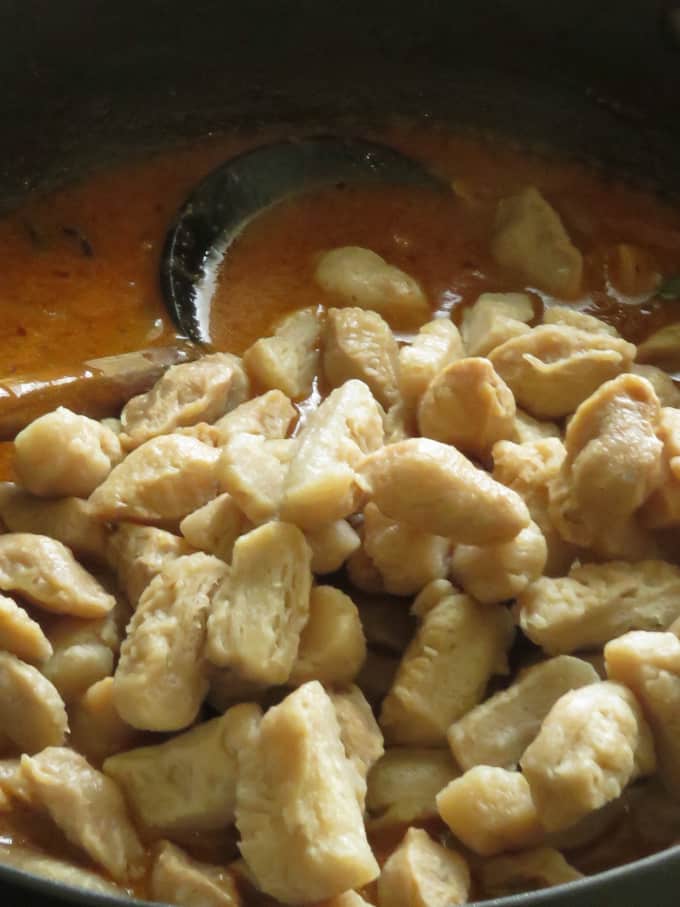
(86, 82)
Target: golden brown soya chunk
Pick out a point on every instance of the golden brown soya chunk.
(435, 345)
(434, 488)
(259, 613)
(20, 634)
(422, 873)
(592, 743)
(188, 783)
(498, 730)
(490, 810)
(359, 344)
(159, 482)
(45, 572)
(322, 484)
(97, 730)
(459, 645)
(176, 878)
(468, 405)
(362, 278)
(553, 368)
(528, 429)
(138, 553)
(87, 806)
(215, 527)
(649, 665)
(269, 415)
(531, 238)
(192, 392)
(332, 647)
(359, 731)
(253, 471)
(565, 314)
(663, 384)
(69, 520)
(62, 454)
(289, 360)
(493, 319)
(302, 831)
(527, 871)
(613, 463)
(496, 573)
(404, 783)
(331, 545)
(528, 468)
(662, 509)
(160, 680)
(32, 712)
(406, 559)
(598, 602)
(56, 870)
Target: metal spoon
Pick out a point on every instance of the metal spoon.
(232, 195)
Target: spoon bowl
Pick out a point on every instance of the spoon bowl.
(223, 204)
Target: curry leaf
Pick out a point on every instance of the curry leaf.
(670, 288)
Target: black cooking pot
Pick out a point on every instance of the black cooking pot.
(83, 82)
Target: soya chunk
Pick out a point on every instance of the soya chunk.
(84, 650)
(497, 731)
(332, 646)
(531, 238)
(564, 314)
(160, 482)
(444, 672)
(259, 613)
(269, 415)
(20, 634)
(176, 878)
(68, 520)
(361, 278)
(527, 871)
(192, 392)
(434, 488)
(662, 508)
(496, 573)
(322, 484)
(97, 730)
(528, 429)
(188, 783)
(45, 572)
(649, 665)
(302, 832)
(404, 783)
(138, 553)
(528, 469)
(253, 471)
(490, 810)
(613, 463)
(289, 360)
(553, 368)
(32, 713)
(493, 319)
(331, 545)
(663, 384)
(61, 871)
(592, 743)
(422, 873)
(160, 680)
(436, 344)
(359, 344)
(359, 731)
(406, 559)
(215, 527)
(87, 806)
(598, 602)
(62, 454)
(468, 405)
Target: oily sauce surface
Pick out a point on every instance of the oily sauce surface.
(80, 266)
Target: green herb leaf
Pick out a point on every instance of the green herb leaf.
(670, 288)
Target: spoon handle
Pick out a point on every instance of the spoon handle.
(99, 388)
